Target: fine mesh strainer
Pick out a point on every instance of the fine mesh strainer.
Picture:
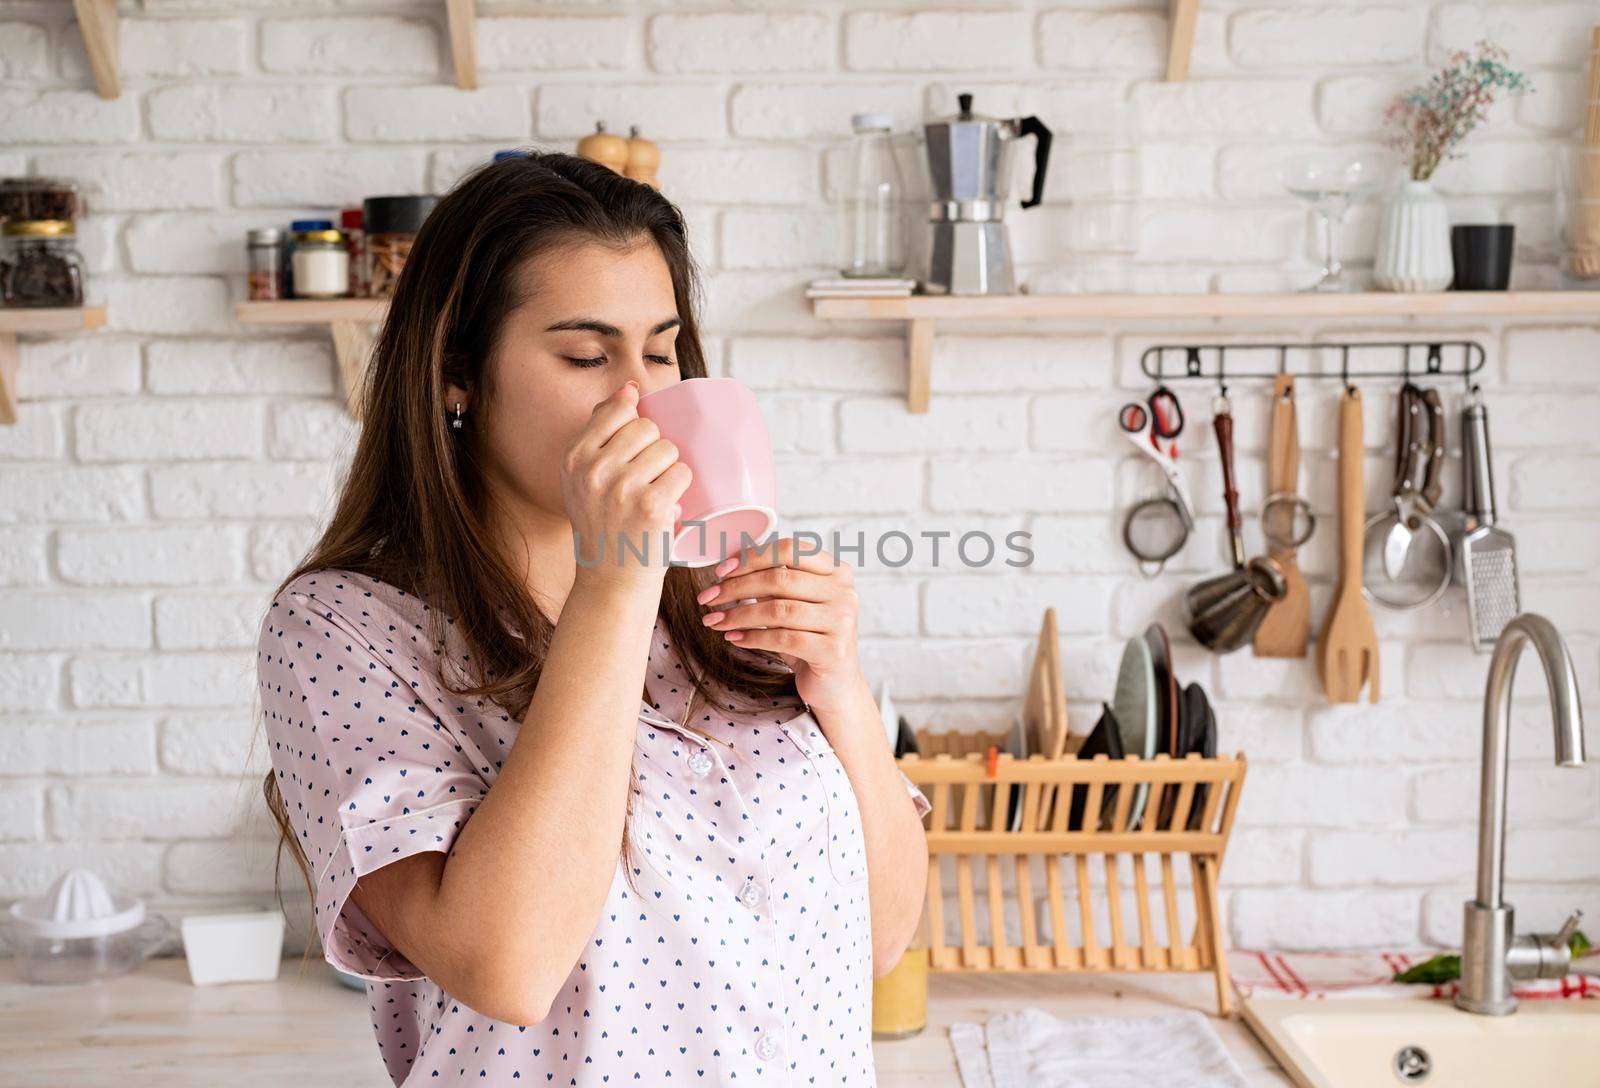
(1156, 529)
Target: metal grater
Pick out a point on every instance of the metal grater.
(1488, 553)
(1490, 562)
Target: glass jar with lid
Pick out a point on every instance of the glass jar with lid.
(321, 264)
(36, 199)
(392, 223)
(40, 264)
(264, 247)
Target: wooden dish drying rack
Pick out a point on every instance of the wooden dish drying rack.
(1189, 811)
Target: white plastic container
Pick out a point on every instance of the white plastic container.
(243, 946)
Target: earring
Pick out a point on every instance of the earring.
(456, 423)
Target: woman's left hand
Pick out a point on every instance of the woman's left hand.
(805, 611)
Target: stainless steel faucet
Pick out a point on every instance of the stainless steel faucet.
(1491, 954)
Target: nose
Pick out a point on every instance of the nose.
(650, 376)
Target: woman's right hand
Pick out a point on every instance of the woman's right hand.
(621, 480)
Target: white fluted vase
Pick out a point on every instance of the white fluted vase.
(1414, 242)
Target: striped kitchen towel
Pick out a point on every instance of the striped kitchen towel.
(1367, 974)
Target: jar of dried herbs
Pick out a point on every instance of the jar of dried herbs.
(40, 264)
(392, 223)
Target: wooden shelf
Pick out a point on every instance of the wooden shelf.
(1305, 304)
(350, 322)
(97, 20)
(920, 312)
(42, 319)
(51, 319)
(311, 311)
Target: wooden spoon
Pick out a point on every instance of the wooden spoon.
(1347, 651)
(1287, 624)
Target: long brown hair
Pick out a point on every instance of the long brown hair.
(412, 508)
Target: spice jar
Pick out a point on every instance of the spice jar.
(265, 247)
(392, 223)
(355, 243)
(321, 264)
(39, 199)
(40, 264)
(297, 227)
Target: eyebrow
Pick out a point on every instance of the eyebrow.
(589, 324)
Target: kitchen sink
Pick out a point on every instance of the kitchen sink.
(1378, 1042)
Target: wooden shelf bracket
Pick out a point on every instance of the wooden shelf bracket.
(8, 378)
(352, 324)
(919, 360)
(352, 346)
(44, 319)
(462, 17)
(97, 20)
(1180, 38)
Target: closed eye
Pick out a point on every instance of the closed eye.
(599, 360)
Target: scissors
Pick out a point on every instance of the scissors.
(1166, 418)
(1146, 424)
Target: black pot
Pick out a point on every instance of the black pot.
(1482, 253)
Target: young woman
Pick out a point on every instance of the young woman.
(575, 823)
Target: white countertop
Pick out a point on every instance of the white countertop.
(153, 1027)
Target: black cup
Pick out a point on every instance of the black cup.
(1482, 253)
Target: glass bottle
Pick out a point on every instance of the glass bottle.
(873, 191)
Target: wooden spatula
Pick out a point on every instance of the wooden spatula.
(1287, 624)
(1347, 649)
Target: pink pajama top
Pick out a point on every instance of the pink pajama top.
(747, 956)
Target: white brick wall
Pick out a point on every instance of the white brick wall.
(168, 471)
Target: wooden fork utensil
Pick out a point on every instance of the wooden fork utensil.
(1347, 649)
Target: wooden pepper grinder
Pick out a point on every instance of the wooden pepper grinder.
(643, 158)
(606, 148)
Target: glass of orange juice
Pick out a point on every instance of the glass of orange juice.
(900, 998)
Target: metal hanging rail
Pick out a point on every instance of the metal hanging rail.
(1209, 362)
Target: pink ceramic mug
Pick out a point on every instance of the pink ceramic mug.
(717, 426)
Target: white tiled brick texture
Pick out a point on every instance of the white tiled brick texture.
(166, 472)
